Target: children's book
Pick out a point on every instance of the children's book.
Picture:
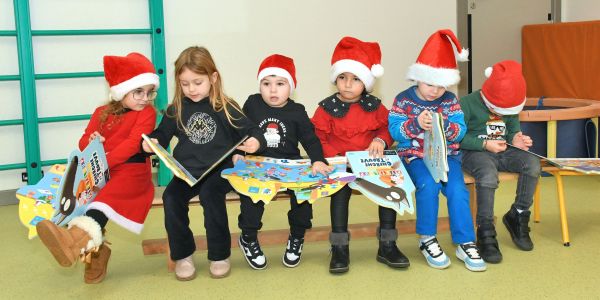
(260, 178)
(180, 171)
(384, 180)
(65, 191)
(582, 165)
(435, 152)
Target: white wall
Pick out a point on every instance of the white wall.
(580, 10)
(239, 33)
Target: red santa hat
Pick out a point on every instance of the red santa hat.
(504, 90)
(278, 65)
(127, 73)
(362, 59)
(272, 126)
(436, 64)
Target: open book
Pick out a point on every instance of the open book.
(582, 165)
(177, 169)
(65, 191)
(435, 152)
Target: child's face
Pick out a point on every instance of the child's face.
(139, 98)
(196, 86)
(275, 90)
(429, 92)
(349, 86)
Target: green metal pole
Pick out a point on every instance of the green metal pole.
(159, 59)
(28, 97)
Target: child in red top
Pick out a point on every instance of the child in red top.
(354, 120)
(127, 197)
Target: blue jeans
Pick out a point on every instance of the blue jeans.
(461, 223)
(484, 167)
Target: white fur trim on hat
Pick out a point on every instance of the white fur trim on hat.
(488, 72)
(435, 76)
(277, 72)
(120, 90)
(463, 55)
(92, 228)
(361, 71)
(505, 111)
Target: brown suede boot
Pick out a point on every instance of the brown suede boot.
(66, 245)
(95, 269)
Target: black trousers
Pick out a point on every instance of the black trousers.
(176, 198)
(250, 218)
(339, 212)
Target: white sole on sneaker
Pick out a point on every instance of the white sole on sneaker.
(471, 267)
(434, 264)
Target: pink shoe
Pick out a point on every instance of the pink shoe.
(184, 269)
(220, 268)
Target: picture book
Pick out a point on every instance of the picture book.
(177, 169)
(384, 180)
(260, 178)
(435, 152)
(65, 191)
(582, 165)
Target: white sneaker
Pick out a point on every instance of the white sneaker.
(435, 256)
(184, 269)
(469, 253)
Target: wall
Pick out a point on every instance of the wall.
(580, 10)
(239, 33)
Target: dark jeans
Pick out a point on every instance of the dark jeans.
(339, 212)
(484, 167)
(249, 220)
(176, 197)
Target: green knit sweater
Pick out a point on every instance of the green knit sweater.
(482, 124)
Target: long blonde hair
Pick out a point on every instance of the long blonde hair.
(198, 60)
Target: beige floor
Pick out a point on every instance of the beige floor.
(549, 271)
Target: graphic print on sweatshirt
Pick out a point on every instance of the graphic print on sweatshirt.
(201, 128)
(495, 129)
(274, 131)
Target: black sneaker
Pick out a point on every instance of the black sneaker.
(518, 227)
(488, 244)
(293, 252)
(253, 254)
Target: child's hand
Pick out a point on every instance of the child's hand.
(522, 141)
(146, 147)
(250, 145)
(94, 135)
(237, 157)
(425, 120)
(321, 167)
(495, 146)
(376, 148)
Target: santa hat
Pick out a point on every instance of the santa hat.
(504, 90)
(278, 65)
(272, 126)
(362, 59)
(127, 73)
(436, 64)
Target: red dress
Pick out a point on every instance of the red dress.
(127, 197)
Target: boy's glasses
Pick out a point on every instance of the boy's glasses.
(140, 94)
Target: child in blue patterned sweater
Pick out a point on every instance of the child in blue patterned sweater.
(409, 118)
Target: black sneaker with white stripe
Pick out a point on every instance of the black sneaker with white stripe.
(293, 252)
(253, 254)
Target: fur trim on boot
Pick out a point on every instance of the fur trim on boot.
(66, 245)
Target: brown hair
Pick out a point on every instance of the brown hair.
(198, 60)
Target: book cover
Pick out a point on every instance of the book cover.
(65, 191)
(260, 178)
(180, 171)
(435, 150)
(384, 180)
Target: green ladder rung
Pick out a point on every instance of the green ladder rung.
(8, 33)
(23, 165)
(55, 76)
(9, 77)
(47, 120)
(90, 32)
(12, 166)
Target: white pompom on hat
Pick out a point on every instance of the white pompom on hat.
(504, 91)
(362, 59)
(436, 64)
(127, 73)
(278, 65)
